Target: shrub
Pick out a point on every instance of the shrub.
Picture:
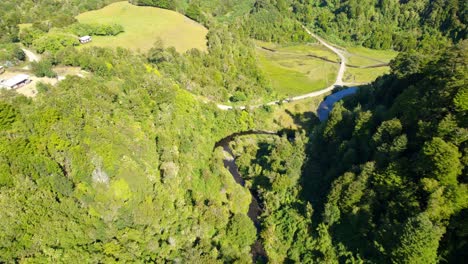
(96, 29)
(54, 42)
(11, 52)
(43, 69)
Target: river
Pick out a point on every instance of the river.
(255, 210)
(257, 250)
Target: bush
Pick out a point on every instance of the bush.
(166, 4)
(43, 69)
(11, 53)
(96, 29)
(28, 35)
(54, 42)
(238, 97)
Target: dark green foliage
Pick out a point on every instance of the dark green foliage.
(96, 29)
(441, 160)
(390, 160)
(119, 166)
(386, 24)
(267, 23)
(54, 42)
(11, 53)
(28, 35)
(194, 12)
(240, 234)
(418, 242)
(166, 4)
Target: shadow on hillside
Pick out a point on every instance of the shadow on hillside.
(305, 121)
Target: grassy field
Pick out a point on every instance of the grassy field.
(364, 57)
(144, 25)
(291, 72)
(353, 75)
(360, 56)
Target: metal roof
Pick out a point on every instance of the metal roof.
(15, 80)
(84, 38)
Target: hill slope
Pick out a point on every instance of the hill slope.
(144, 25)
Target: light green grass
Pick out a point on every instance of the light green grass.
(360, 56)
(23, 26)
(312, 49)
(353, 75)
(291, 72)
(364, 57)
(144, 25)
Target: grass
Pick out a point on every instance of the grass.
(353, 75)
(313, 49)
(291, 72)
(360, 56)
(364, 57)
(25, 25)
(144, 25)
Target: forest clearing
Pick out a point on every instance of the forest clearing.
(144, 26)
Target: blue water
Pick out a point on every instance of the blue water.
(327, 105)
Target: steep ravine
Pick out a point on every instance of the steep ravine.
(257, 250)
(255, 209)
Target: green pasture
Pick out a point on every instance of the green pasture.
(144, 25)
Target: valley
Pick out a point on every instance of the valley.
(250, 131)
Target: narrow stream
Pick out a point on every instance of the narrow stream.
(327, 105)
(257, 250)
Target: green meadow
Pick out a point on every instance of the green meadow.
(291, 71)
(144, 25)
(364, 57)
(361, 56)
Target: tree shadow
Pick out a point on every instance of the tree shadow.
(305, 121)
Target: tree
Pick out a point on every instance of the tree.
(43, 68)
(441, 160)
(193, 11)
(418, 242)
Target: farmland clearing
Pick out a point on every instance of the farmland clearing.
(144, 26)
(292, 71)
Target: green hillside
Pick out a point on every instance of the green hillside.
(188, 154)
(144, 26)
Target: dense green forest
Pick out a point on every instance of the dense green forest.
(390, 163)
(121, 165)
(383, 180)
(378, 24)
(119, 161)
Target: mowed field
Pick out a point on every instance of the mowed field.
(144, 25)
(291, 71)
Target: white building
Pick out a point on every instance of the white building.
(16, 81)
(85, 39)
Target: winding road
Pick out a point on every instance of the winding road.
(338, 81)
